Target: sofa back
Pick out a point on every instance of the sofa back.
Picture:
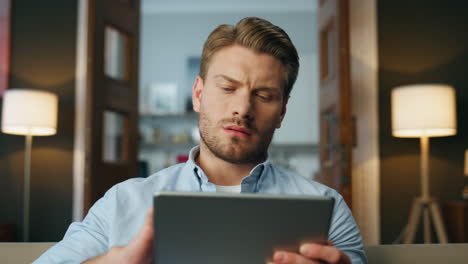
(16, 253)
(418, 253)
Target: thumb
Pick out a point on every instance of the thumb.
(141, 247)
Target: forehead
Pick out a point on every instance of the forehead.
(245, 65)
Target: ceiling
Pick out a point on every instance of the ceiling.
(224, 6)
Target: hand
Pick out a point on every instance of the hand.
(139, 251)
(312, 254)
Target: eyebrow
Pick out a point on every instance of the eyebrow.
(234, 81)
(227, 78)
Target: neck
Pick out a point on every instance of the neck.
(221, 172)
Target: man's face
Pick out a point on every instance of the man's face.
(241, 103)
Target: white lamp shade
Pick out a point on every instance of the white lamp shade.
(424, 110)
(29, 112)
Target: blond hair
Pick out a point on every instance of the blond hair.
(259, 35)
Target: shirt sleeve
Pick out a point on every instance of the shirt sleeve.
(344, 232)
(86, 239)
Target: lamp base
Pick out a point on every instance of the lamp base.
(429, 209)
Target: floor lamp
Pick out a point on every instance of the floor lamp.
(29, 113)
(424, 111)
(465, 186)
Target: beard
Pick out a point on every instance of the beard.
(234, 149)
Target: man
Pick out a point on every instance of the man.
(246, 74)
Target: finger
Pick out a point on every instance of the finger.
(328, 254)
(283, 257)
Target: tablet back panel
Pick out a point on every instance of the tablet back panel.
(218, 228)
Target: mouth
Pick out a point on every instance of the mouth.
(238, 131)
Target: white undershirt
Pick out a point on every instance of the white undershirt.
(225, 188)
(228, 188)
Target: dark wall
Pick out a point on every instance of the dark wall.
(43, 49)
(420, 42)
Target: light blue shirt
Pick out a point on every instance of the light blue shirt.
(118, 216)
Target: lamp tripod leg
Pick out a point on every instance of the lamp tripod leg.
(413, 221)
(438, 222)
(26, 193)
(427, 226)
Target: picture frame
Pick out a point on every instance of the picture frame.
(5, 8)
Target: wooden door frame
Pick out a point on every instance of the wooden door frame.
(335, 97)
(88, 160)
(79, 158)
(364, 106)
(359, 68)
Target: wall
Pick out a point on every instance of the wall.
(42, 57)
(167, 40)
(420, 42)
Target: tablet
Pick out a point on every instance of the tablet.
(223, 228)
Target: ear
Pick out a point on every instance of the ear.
(283, 112)
(197, 93)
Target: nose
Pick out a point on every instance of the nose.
(242, 106)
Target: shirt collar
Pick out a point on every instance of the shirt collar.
(251, 181)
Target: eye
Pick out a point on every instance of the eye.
(264, 96)
(227, 89)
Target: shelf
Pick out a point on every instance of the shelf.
(312, 148)
(166, 146)
(289, 148)
(170, 115)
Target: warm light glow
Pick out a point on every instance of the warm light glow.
(424, 110)
(30, 112)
